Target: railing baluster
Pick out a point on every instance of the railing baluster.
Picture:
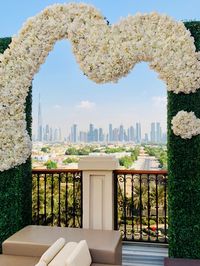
(132, 207)
(140, 178)
(45, 199)
(165, 206)
(124, 206)
(149, 205)
(66, 200)
(52, 199)
(59, 181)
(38, 199)
(157, 207)
(74, 202)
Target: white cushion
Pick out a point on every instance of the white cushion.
(80, 256)
(65, 252)
(41, 263)
(53, 250)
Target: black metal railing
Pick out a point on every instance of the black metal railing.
(141, 205)
(57, 197)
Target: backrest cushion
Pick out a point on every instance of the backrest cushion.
(80, 256)
(65, 252)
(52, 251)
(41, 263)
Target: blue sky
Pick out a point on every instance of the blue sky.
(68, 97)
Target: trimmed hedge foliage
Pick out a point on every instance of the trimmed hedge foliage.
(184, 175)
(16, 184)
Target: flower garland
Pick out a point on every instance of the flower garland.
(186, 125)
(105, 53)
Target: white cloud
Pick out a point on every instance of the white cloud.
(57, 106)
(159, 101)
(86, 105)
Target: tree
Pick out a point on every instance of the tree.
(51, 164)
(46, 149)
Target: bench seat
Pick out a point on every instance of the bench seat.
(9, 260)
(32, 241)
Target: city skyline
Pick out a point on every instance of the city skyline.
(132, 133)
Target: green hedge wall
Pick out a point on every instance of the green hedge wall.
(184, 175)
(16, 184)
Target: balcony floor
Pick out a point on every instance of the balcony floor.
(137, 254)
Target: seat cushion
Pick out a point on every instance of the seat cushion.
(53, 250)
(9, 260)
(104, 245)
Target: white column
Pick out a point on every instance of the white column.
(98, 194)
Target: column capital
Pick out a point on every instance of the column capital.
(106, 163)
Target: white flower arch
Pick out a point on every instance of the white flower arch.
(105, 53)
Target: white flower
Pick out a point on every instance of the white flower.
(186, 125)
(104, 53)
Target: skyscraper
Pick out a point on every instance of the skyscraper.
(74, 133)
(121, 133)
(138, 133)
(91, 133)
(39, 135)
(158, 133)
(101, 135)
(110, 136)
(153, 133)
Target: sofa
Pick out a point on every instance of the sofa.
(25, 247)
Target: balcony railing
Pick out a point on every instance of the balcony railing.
(141, 205)
(57, 197)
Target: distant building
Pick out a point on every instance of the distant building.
(91, 133)
(138, 133)
(74, 133)
(121, 133)
(158, 133)
(153, 133)
(101, 135)
(110, 134)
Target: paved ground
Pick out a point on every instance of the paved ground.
(145, 162)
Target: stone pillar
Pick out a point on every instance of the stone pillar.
(98, 192)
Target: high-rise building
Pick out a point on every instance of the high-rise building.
(91, 133)
(121, 133)
(138, 133)
(158, 133)
(110, 134)
(74, 133)
(83, 136)
(101, 135)
(153, 133)
(59, 134)
(131, 134)
(40, 129)
(46, 133)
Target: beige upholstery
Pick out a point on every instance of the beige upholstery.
(53, 250)
(9, 260)
(105, 246)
